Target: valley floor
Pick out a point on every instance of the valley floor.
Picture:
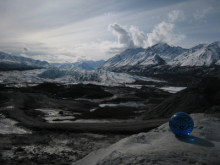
(58, 124)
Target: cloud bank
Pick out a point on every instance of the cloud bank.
(25, 49)
(163, 32)
(200, 15)
(175, 15)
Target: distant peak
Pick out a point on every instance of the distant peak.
(160, 44)
(140, 48)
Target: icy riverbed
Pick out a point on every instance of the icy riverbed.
(127, 104)
(54, 116)
(57, 115)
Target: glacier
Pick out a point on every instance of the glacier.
(99, 77)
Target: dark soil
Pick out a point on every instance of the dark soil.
(72, 91)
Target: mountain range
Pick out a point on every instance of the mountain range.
(157, 59)
(200, 55)
(9, 61)
(161, 54)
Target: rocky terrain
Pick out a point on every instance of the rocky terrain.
(53, 123)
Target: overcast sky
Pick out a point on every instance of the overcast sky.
(69, 30)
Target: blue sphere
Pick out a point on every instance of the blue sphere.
(181, 124)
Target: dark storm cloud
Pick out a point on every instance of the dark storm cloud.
(25, 49)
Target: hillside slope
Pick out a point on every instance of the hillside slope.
(203, 97)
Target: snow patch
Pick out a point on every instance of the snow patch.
(173, 89)
(101, 121)
(57, 115)
(127, 104)
(8, 126)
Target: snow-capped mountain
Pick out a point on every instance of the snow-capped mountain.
(161, 58)
(201, 55)
(9, 61)
(87, 65)
(158, 54)
(168, 53)
(153, 60)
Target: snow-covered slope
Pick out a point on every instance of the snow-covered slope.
(153, 60)
(161, 146)
(8, 126)
(152, 56)
(165, 51)
(8, 61)
(201, 55)
(87, 65)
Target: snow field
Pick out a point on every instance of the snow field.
(8, 126)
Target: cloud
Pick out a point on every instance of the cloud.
(138, 37)
(122, 34)
(200, 15)
(175, 15)
(163, 32)
(114, 50)
(24, 55)
(26, 49)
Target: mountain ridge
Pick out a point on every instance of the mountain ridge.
(201, 55)
(9, 61)
(137, 56)
(132, 60)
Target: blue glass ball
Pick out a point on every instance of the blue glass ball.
(181, 124)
